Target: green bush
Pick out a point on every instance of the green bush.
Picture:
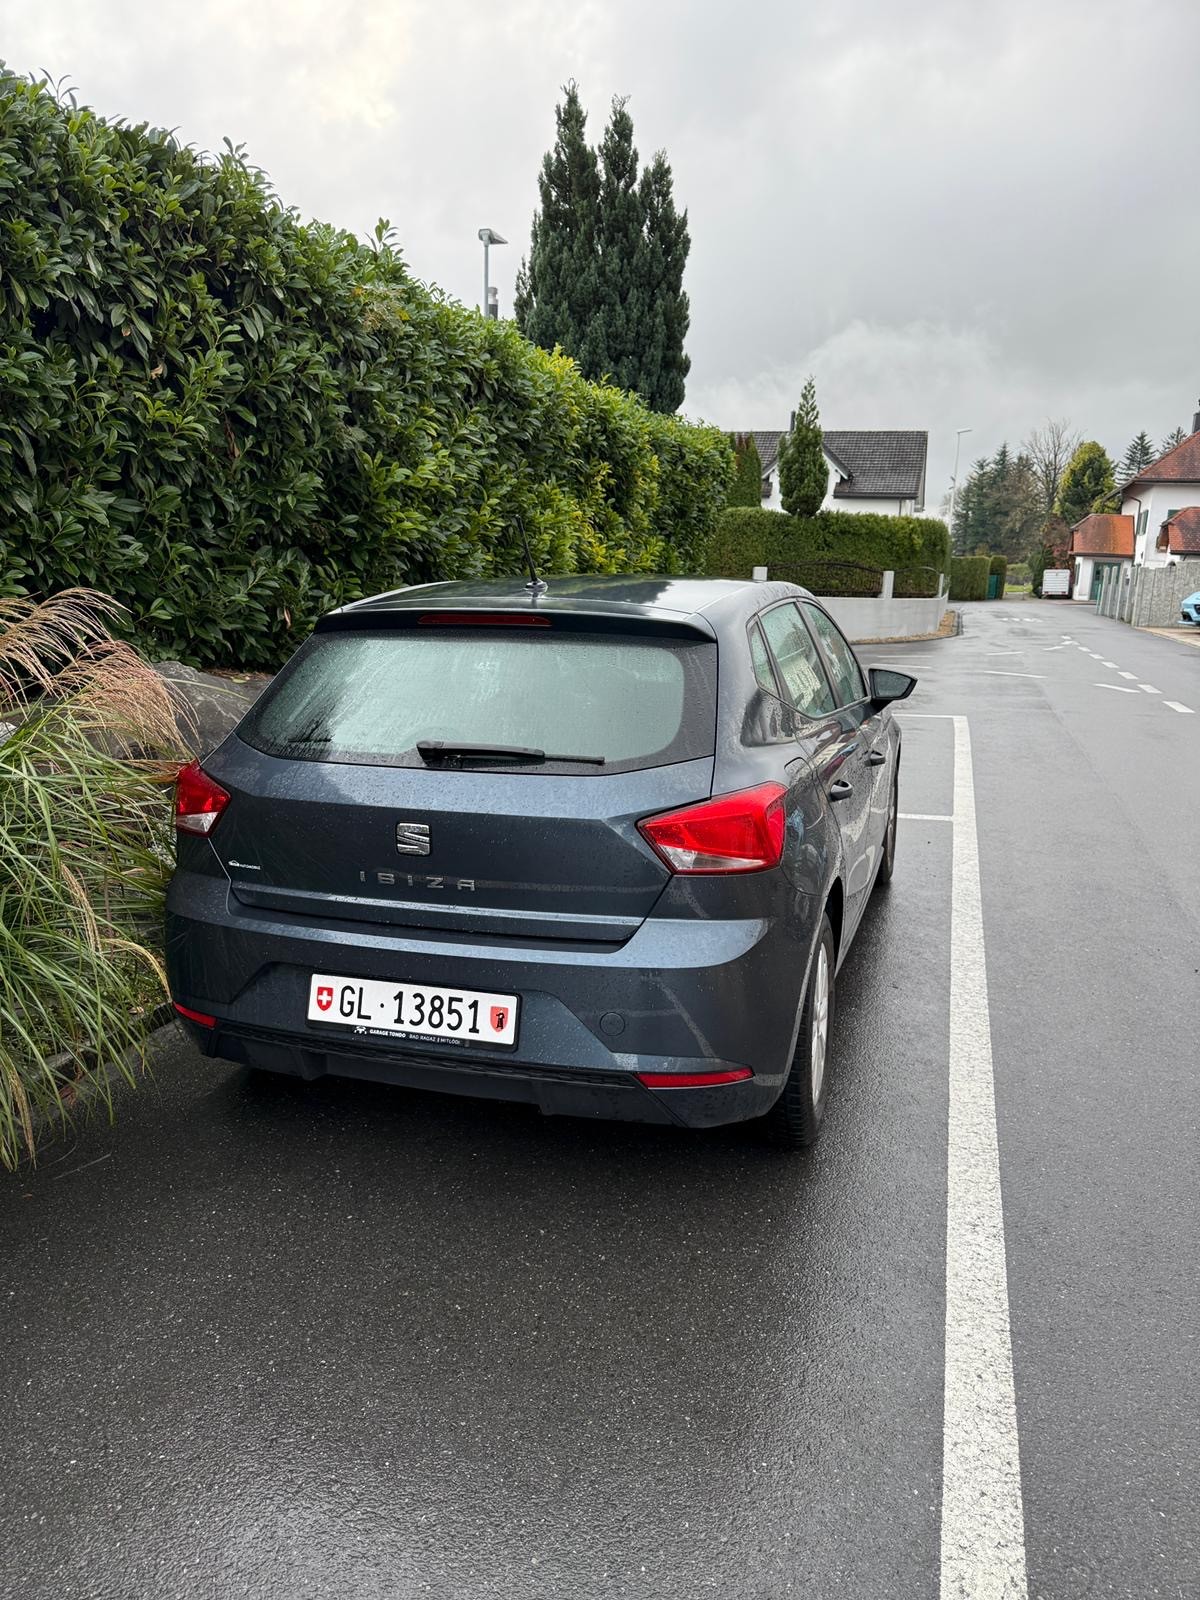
(969, 577)
(84, 856)
(998, 568)
(745, 538)
(232, 421)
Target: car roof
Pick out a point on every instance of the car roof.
(707, 604)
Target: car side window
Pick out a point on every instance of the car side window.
(798, 660)
(764, 672)
(845, 670)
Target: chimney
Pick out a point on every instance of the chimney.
(1196, 423)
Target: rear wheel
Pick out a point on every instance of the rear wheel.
(888, 865)
(795, 1119)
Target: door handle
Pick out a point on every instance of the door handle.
(874, 758)
(840, 790)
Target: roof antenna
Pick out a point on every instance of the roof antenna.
(535, 585)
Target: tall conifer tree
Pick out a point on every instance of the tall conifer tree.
(604, 277)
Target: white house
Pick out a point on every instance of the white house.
(880, 470)
(1100, 541)
(1166, 486)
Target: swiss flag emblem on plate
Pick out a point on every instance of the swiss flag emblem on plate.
(324, 997)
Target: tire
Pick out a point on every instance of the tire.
(887, 865)
(794, 1121)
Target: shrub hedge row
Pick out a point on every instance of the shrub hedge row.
(969, 577)
(745, 538)
(232, 421)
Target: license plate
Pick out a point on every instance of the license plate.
(413, 1010)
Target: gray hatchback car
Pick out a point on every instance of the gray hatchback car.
(600, 848)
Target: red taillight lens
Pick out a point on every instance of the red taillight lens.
(199, 801)
(201, 1017)
(482, 619)
(693, 1080)
(740, 832)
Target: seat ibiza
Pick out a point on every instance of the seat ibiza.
(599, 846)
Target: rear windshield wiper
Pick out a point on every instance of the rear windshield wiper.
(447, 753)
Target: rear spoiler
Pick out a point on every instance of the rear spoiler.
(534, 614)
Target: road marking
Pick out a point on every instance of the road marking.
(999, 672)
(927, 716)
(983, 1527)
(1117, 688)
(1126, 674)
(1111, 664)
(923, 816)
(1044, 647)
(1149, 688)
(1004, 652)
(1175, 706)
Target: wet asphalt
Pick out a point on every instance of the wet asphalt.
(264, 1338)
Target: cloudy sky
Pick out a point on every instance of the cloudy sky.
(953, 213)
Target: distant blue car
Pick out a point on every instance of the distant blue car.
(1189, 609)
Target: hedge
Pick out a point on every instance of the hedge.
(969, 577)
(998, 567)
(232, 421)
(746, 538)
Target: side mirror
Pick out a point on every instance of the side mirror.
(887, 685)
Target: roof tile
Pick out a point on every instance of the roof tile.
(1180, 465)
(1183, 532)
(1103, 533)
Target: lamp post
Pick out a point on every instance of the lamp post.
(958, 435)
(489, 236)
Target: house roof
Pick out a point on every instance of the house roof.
(767, 445)
(1180, 465)
(1103, 533)
(1183, 532)
(884, 462)
(888, 463)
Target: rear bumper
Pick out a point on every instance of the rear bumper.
(679, 997)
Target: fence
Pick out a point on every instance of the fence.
(1147, 597)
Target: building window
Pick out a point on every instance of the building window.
(1163, 539)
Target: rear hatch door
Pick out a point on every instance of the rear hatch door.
(378, 779)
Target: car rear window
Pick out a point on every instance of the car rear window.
(368, 697)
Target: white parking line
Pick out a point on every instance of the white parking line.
(1175, 706)
(923, 816)
(1126, 674)
(1111, 664)
(1000, 672)
(983, 1528)
(1149, 688)
(1117, 688)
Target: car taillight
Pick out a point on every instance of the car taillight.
(740, 832)
(199, 801)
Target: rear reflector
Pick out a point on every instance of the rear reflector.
(693, 1080)
(196, 1016)
(199, 800)
(482, 619)
(740, 832)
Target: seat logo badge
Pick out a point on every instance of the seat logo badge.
(412, 838)
(499, 1015)
(324, 997)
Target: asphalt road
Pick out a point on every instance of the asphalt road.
(270, 1339)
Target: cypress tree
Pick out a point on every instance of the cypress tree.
(557, 289)
(665, 246)
(604, 278)
(803, 475)
(746, 489)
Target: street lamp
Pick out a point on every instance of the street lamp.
(958, 433)
(489, 236)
